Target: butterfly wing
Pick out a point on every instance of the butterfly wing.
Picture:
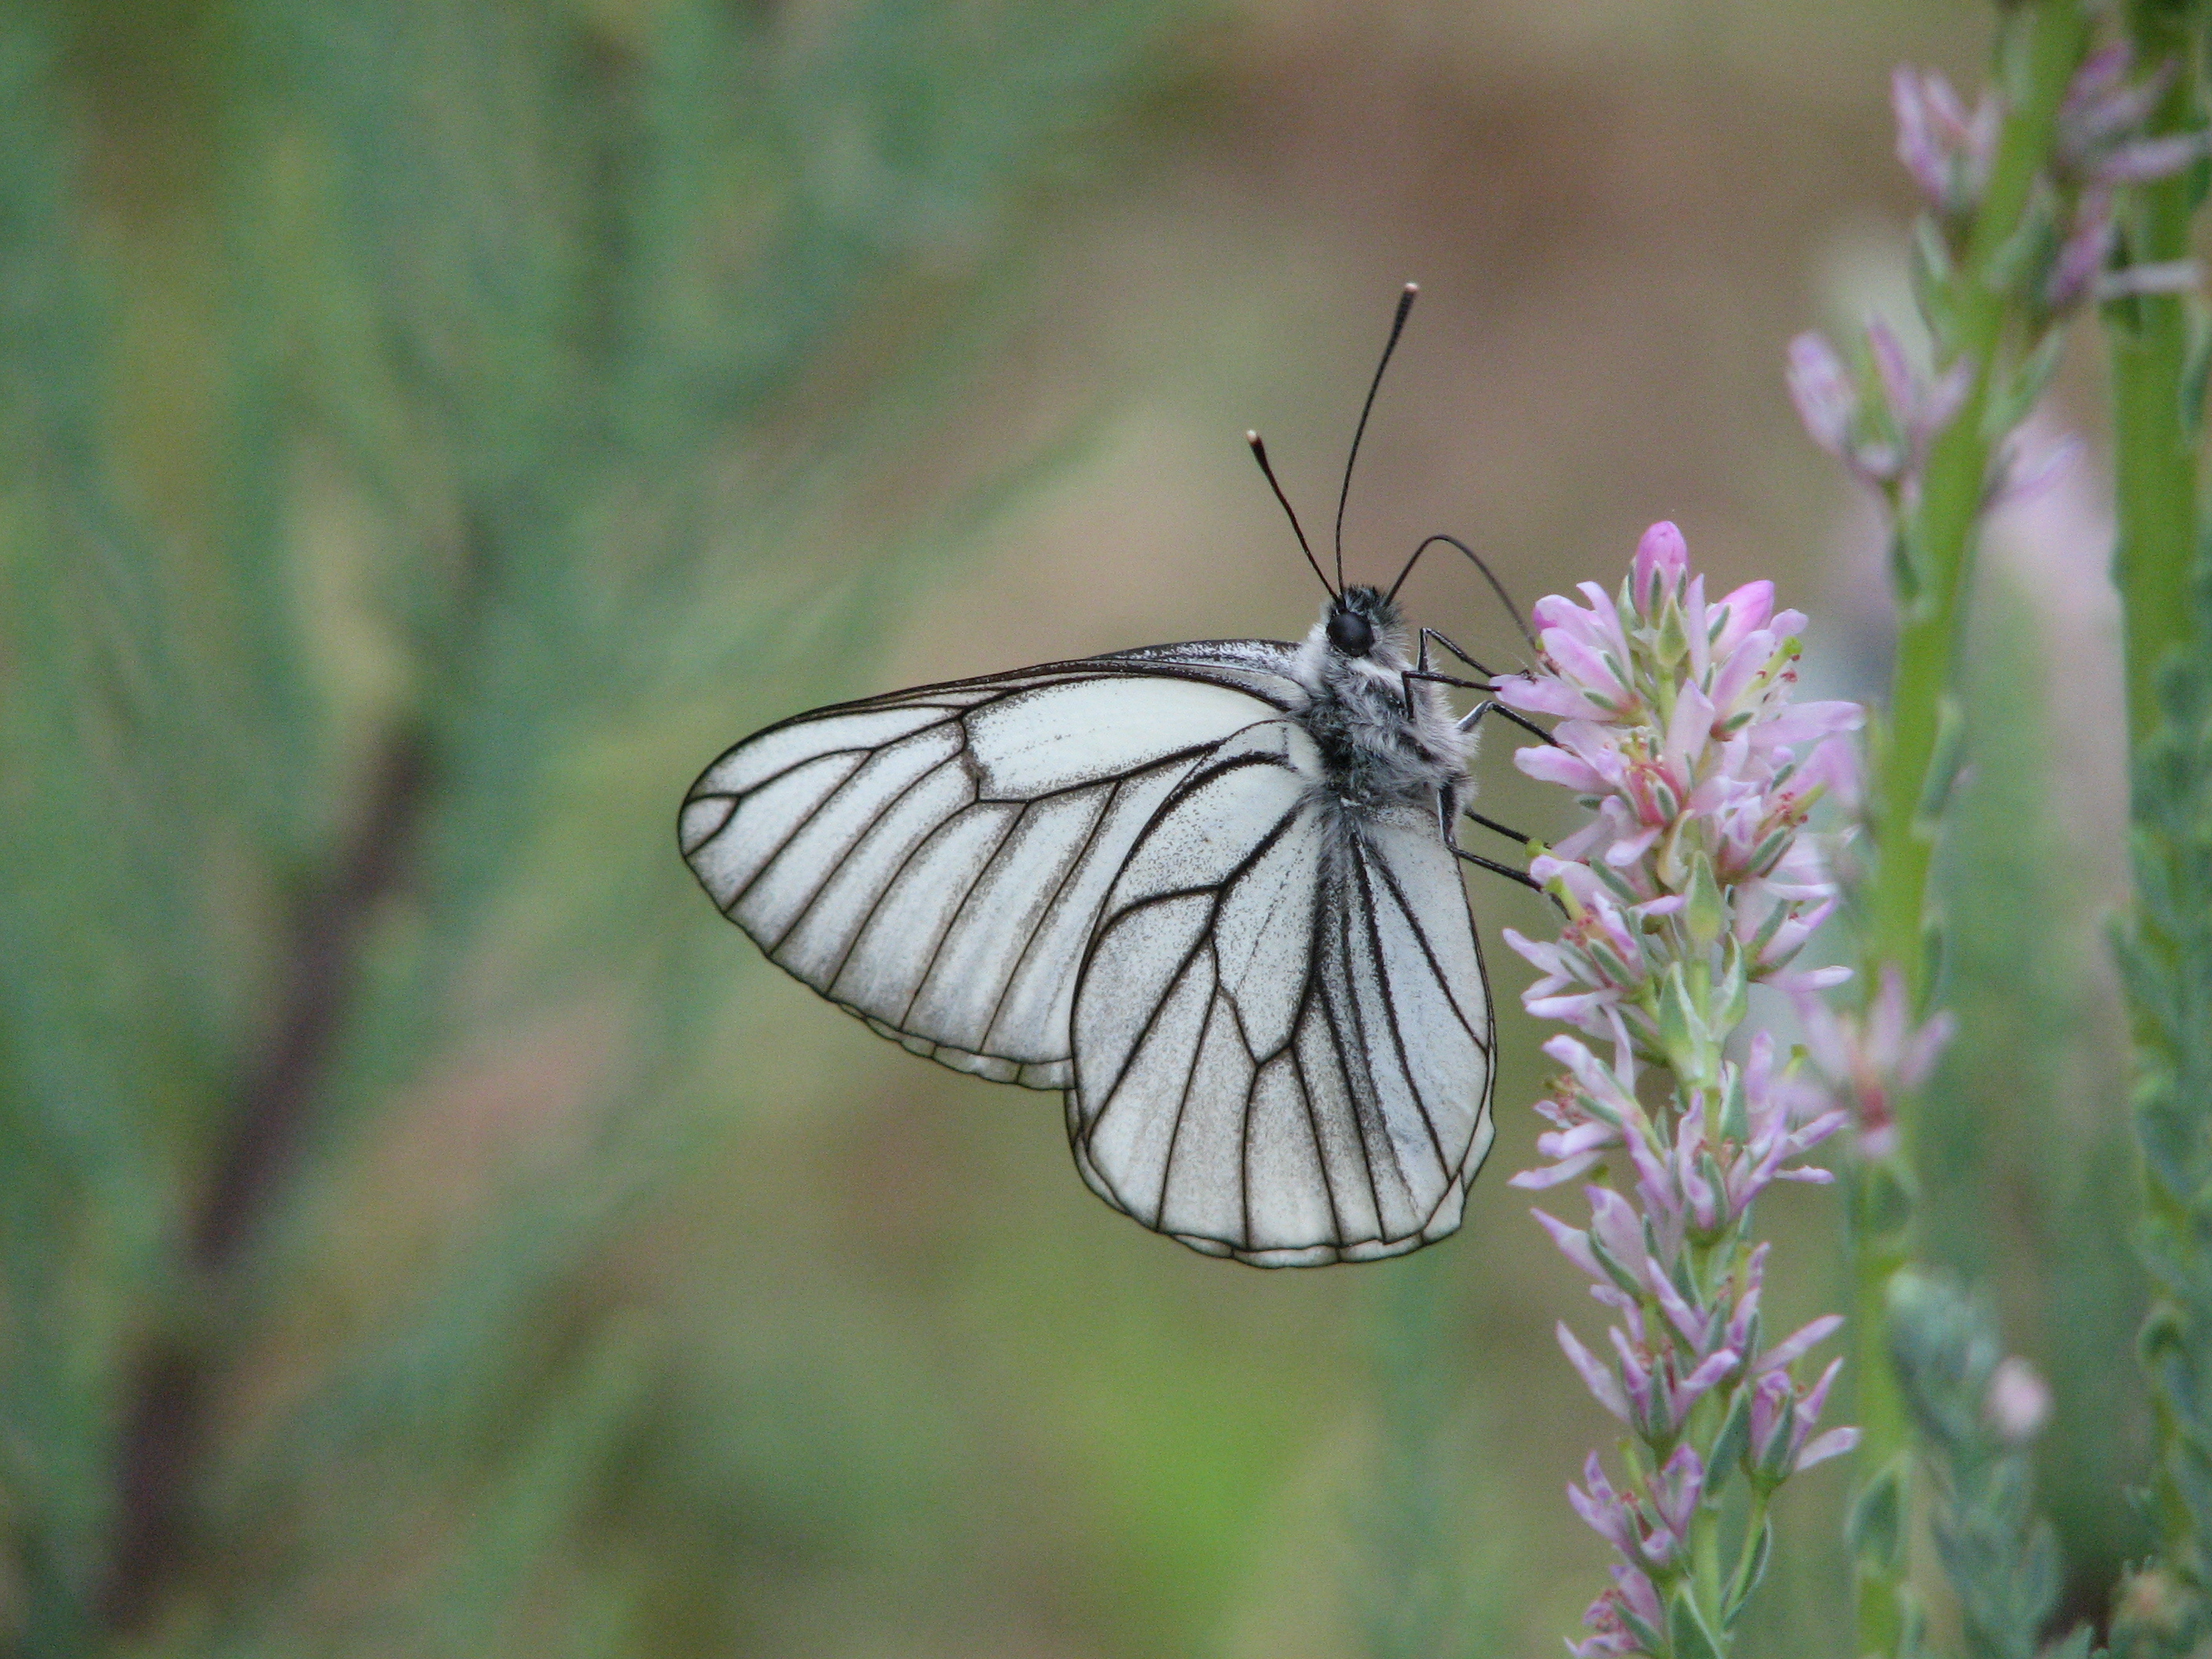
(1282, 1030)
(933, 860)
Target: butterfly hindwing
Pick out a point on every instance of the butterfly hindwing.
(934, 860)
(1282, 1030)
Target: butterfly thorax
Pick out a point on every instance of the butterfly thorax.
(1380, 747)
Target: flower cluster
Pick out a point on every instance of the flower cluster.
(1693, 879)
(1679, 735)
(1879, 426)
(1881, 421)
(2100, 146)
(1868, 1057)
(1947, 151)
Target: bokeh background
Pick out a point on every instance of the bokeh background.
(435, 428)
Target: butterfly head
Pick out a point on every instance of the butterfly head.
(1357, 618)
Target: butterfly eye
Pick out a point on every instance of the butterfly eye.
(1350, 633)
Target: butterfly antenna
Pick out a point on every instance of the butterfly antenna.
(1488, 575)
(1259, 454)
(1397, 327)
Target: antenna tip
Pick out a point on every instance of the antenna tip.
(1411, 288)
(1253, 439)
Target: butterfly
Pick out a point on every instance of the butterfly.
(1210, 892)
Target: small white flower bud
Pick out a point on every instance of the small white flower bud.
(2019, 1401)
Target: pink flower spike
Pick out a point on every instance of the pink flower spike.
(1693, 858)
(1946, 151)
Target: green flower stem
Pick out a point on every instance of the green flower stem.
(1705, 1554)
(2040, 45)
(2154, 427)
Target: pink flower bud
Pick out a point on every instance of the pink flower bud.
(1663, 563)
(1826, 400)
(2019, 1401)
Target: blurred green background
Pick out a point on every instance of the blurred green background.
(434, 428)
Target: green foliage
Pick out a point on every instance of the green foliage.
(2027, 1179)
(1415, 1592)
(2001, 1558)
(526, 336)
(2168, 962)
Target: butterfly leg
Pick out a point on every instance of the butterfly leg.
(1406, 681)
(1469, 724)
(1449, 808)
(1445, 640)
(1496, 868)
(1420, 670)
(1475, 718)
(1495, 827)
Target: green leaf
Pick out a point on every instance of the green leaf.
(1885, 1199)
(1687, 1632)
(2196, 369)
(1758, 1552)
(1735, 1107)
(1734, 1437)
(1932, 269)
(1706, 914)
(1944, 764)
(2017, 265)
(2021, 390)
(1682, 1030)
(1874, 1528)
(1905, 566)
(1732, 1001)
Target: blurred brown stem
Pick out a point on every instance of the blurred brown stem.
(159, 1448)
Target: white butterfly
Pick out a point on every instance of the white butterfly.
(1211, 891)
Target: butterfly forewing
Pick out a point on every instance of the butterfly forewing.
(1282, 1030)
(934, 861)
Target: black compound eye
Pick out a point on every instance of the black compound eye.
(1350, 633)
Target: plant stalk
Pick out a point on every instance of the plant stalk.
(2039, 44)
(2155, 427)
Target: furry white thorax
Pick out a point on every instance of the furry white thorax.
(1377, 756)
